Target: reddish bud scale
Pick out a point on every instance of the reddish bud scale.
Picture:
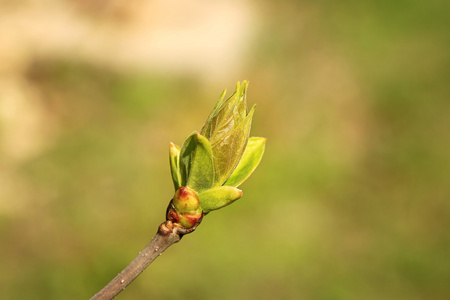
(187, 220)
(172, 215)
(186, 200)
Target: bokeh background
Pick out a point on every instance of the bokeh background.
(351, 200)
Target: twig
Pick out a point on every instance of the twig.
(167, 235)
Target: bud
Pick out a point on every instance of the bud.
(186, 200)
(210, 165)
(187, 220)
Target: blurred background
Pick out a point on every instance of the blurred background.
(351, 200)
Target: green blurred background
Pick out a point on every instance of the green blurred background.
(351, 200)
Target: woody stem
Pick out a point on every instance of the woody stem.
(167, 235)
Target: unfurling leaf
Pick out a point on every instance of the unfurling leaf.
(218, 197)
(249, 161)
(174, 157)
(228, 150)
(226, 115)
(196, 163)
(212, 163)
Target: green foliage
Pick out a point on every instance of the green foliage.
(174, 160)
(229, 149)
(228, 128)
(222, 153)
(218, 197)
(250, 160)
(196, 163)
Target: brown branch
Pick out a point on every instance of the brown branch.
(167, 235)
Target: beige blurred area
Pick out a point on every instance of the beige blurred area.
(202, 38)
(170, 36)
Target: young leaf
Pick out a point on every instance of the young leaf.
(249, 161)
(227, 114)
(231, 114)
(174, 157)
(240, 108)
(228, 151)
(218, 197)
(196, 163)
(208, 126)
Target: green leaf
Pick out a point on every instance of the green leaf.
(240, 108)
(196, 163)
(219, 105)
(227, 114)
(210, 123)
(249, 161)
(174, 157)
(229, 149)
(218, 197)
